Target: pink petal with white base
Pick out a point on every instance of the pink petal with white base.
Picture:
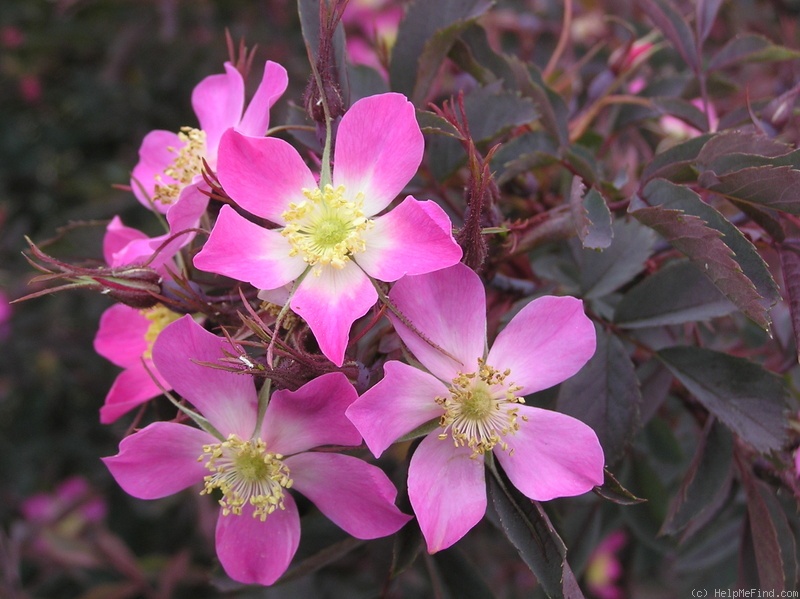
(379, 148)
(256, 552)
(449, 308)
(228, 400)
(154, 156)
(159, 460)
(132, 387)
(402, 401)
(311, 416)
(447, 490)
(407, 241)
(218, 101)
(545, 343)
(120, 338)
(356, 496)
(554, 455)
(331, 302)
(262, 175)
(244, 251)
(256, 117)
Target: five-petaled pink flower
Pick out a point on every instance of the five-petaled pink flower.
(329, 240)
(475, 396)
(253, 463)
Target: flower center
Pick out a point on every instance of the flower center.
(326, 227)
(159, 316)
(188, 162)
(480, 409)
(245, 472)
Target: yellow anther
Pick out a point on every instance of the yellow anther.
(159, 316)
(187, 164)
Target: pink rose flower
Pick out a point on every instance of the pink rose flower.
(330, 241)
(254, 460)
(475, 396)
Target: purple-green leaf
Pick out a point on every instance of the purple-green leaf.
(748, 399)
(676, 29)
(591, 215)
(424, 38)
(709, 240)
(706, 483)
(772, 187)
(750, 47)
(675, 294)
(605, 395)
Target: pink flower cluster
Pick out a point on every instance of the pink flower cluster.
(330, 244)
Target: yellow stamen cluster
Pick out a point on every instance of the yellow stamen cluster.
(325, 229)
(245, 472)
(478, 411)
(159, 316)
(188, 162)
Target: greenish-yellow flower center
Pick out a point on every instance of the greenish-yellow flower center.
(246, 473)
(480, 409)
(159, 316)
(326, 227)
(188, 162)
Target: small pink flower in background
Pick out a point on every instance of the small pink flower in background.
(11, 37)
(330, 241)
(475, 395)
(679, 130)
(252, 463)
(169, 162)
(372, 24)
(5, 316)
(60, 519)
(605, 569)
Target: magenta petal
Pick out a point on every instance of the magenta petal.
(131, 388)
(356, 496)
(256, 552)
(379, 147)
(218, 101)
(552, 455)
(273, 83)
(227, 399)
(311, 416)
(159, 460)
(263, 175)
(449, 307)
(120, 338)
(547, 342)
(407, 241)
(447, 490)
(244, 251)
(155, 155)
(117, 237)
(330, 302)
(402, 401)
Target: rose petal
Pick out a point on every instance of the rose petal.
(262, 175)
(545, 343)
(132, 387)
(159, 148)
(330, 302)
(356, 496)
(117, 237)
(379, 147)
(227, 399)
(218, 101)
(120, 338)
(449, 307)
(273, 83)
(407, 241)
(256, 552)
(244, 251)
(447, 490)
(313, 415)
(552, 455)
(402, 401)
(159, 460)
